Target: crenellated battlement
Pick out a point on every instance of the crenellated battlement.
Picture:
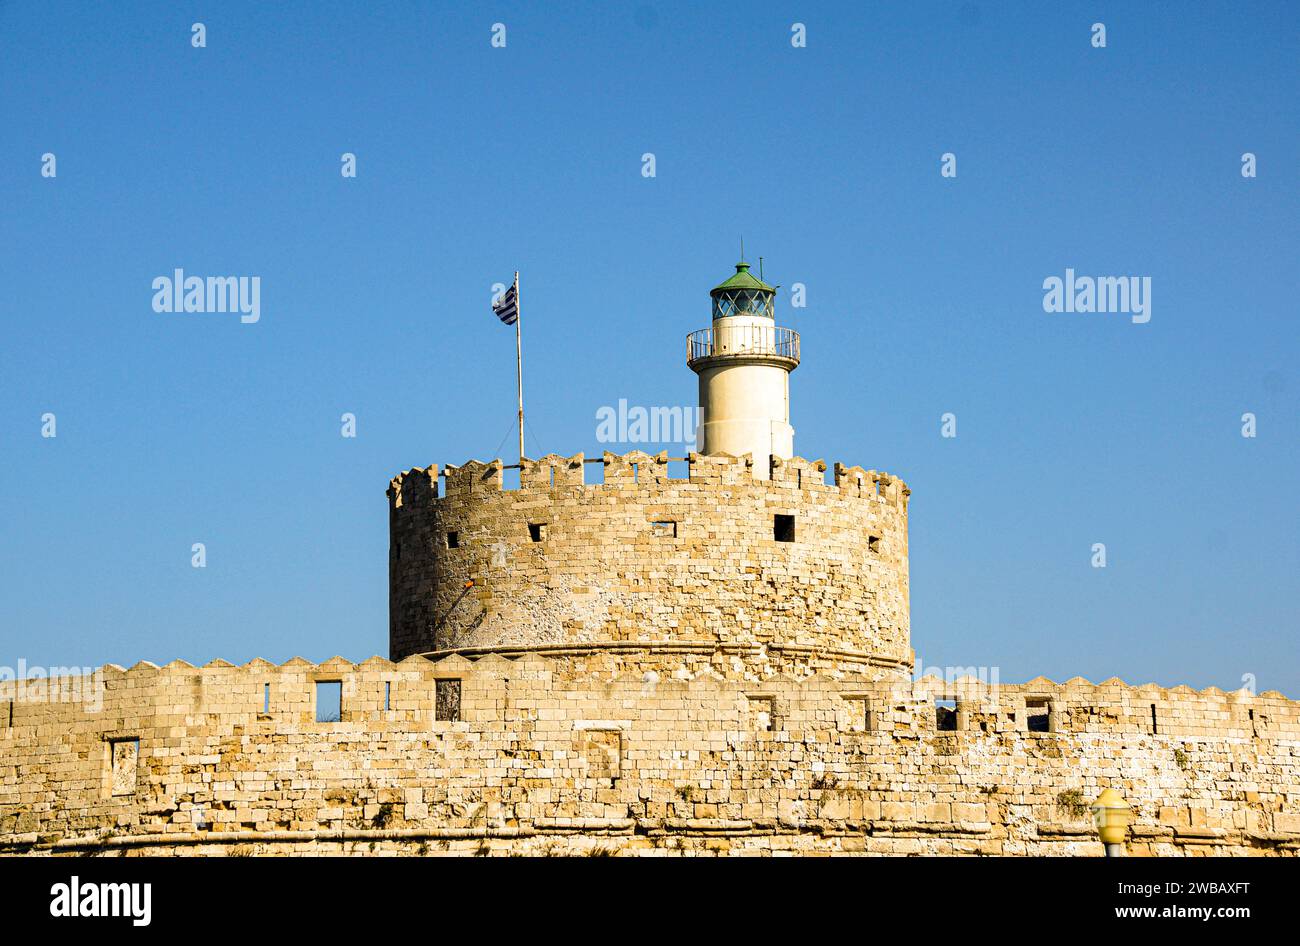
(417, 486)
(222, 689)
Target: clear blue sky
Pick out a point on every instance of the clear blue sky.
(924, 297)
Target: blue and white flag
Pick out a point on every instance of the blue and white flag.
(507, 307)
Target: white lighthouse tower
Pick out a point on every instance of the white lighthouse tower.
(744, 362)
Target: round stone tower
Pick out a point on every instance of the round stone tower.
(744, 362)
(750, 565)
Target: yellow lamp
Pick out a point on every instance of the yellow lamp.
(1112, 814)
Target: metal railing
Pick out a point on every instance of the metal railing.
(740, 341)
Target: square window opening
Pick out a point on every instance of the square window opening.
(537, 531)
(945, 715)
(859, 713)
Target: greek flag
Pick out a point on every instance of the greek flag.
(507, 307)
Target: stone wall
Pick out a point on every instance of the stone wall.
(499, 756)
(642, 560)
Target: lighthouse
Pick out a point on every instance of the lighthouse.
(744, 362)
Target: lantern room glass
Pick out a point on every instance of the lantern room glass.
(742, 302)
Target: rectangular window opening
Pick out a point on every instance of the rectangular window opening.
(329, 701)
(125, 754)
(783, 528)
(1038, 716)
(537, 531)
(593, 474)
(945, 715)
(635, 471)
(859, 710)
(552, 469)
(446, 700)
(510, 479)
(873, 544)
(764, 712)
(453, 540)
(664, 529)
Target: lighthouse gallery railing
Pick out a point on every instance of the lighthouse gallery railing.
(743, 340)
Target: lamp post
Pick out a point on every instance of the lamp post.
(1112, 815)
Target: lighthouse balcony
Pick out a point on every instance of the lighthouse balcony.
(767, 343)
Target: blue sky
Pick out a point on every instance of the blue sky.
(924, 297)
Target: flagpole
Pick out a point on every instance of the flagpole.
(519, 365)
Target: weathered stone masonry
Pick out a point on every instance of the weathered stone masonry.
(229, 760)
(640, 562)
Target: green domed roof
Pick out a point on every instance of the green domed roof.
(743, 279)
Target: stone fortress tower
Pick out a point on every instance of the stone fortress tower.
(752, 564)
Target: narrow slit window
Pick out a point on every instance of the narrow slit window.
(329, 701)
(783, 528)
(266, 697)
(388, 695)
(1155, 725)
